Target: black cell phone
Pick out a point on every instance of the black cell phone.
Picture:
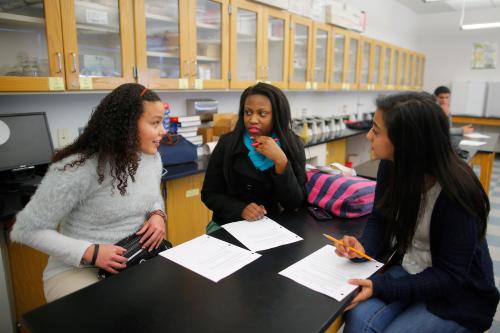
(319, 213)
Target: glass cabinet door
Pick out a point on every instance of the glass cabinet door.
(300, 57)
(404, 70)
(209, 58)
(245, 59)
(352, 73)
(366, 67)
(99, 43)
(275, 50)
(321, 38)
(395, 69)
(338, 58)
(410, 72)
(30, 61)
(377, 62)
(387, 55)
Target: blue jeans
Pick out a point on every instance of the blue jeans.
(374, 315)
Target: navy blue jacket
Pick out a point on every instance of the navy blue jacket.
(459, 285)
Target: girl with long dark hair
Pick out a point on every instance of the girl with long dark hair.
(98, 190)
(431, 214)
(258, 168)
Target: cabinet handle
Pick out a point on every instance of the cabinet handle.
(194, 62)
(73, 57)
(186, 68)
(59, 62)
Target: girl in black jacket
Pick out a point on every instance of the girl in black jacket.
(259, 167)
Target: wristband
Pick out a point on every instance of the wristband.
(157, 212)
(94, 256)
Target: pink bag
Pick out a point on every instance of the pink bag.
(342, 195)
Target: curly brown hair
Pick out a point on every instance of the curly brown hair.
(111, 134)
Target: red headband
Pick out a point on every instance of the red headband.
(143, 91)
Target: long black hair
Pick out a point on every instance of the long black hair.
(111, 134)
(420, 134)
(282, 126)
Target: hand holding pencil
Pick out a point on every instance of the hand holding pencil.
(349, 247)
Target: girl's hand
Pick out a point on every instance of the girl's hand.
(344, 251)
(365, 293)
(109, 257)
(153, 232)
(253, 212)
(269, 148)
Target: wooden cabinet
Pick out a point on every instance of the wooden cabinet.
(377, 66)
(336, 151)
(187, 214)
(26, 268)
(58, 45)
(366, 64)
(182, 44)
(387, 64)
(32, 47)
(259, 45)
(300, 53)
(346, 59)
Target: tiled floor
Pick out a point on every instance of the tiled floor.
(493, 234)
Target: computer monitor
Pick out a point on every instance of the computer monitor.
(25, 141)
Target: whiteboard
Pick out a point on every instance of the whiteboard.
(468, 98)
(493, 100)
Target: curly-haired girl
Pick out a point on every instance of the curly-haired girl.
(98, 190)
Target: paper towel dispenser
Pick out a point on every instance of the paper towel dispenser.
(205, 108)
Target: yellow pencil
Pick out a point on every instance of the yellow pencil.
(351, 248)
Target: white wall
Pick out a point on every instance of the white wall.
(448, 49)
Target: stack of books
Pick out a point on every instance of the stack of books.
(188, 128)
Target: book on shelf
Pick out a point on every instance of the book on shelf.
(182, 130)
(197, 140)
(189, 118)
(190, 123)
(188, 134)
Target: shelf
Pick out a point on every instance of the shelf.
(92, 28)
(161, 18)
(22, 18)
(161, 54)
(205, 58)
(207, 26)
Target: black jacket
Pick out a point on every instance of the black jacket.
(248, 184)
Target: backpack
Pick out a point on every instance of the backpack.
(343, 196)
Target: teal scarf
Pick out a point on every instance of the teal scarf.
(260, 161)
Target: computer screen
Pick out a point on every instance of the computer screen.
(24, 140)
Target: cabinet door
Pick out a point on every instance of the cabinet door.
(377, 71)
(275, 47)
(321, 55)
(396, 68)
(366, 64)
(353, 49)
(300, 53)
(421, 72)
(161, 43)
(31, 44)
(404, 70)
(246, 37)
(187, 214)
(208, 44)
(338, 58)
(98, 43)
(387, 61)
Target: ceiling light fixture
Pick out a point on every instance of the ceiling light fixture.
(474, 26)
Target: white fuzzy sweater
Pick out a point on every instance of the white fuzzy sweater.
(85, 211)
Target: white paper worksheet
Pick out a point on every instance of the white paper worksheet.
(261, 235)
(476, 135)
(210, 257)
(471, 143)
(327, 273)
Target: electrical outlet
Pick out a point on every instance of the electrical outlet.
(63, 137)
